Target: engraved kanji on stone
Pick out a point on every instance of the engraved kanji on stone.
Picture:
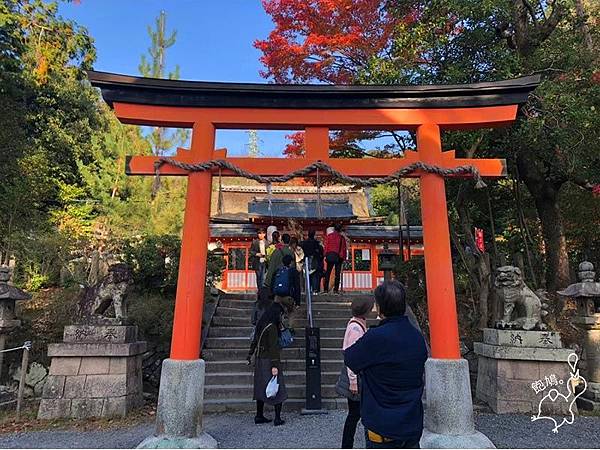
(110, 334)
(516, 337)
(81, 333)
(545, 339)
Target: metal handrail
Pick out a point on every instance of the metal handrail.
(308, 291)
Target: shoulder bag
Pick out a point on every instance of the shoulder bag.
(342, 386)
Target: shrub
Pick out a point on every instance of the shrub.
(154, 260)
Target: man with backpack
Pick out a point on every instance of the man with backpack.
(284, 287)
(276, 260)
(283, 281)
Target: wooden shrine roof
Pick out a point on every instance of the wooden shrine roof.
(373, 232)
(238, 198)
(180, 93)
(298, 208)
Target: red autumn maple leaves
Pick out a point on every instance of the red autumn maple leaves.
(325, 40)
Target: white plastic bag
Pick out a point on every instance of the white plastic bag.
(272, 387)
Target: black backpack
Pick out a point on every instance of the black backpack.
(281, 284)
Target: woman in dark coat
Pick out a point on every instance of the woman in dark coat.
(268, 363)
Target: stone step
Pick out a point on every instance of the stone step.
(329, 306)
(296, 322)
(233, 391)
(246, 331)
(317, 305)
(235, 354)
(248, 405)
(327, 322)
(340, 313)
(317, 313)
(341, 298)
(344, 296)
(220, 321)
(291, 377)
(238, 304)
(239, 295)
(223, 311)
(244, 342)
(293, 365)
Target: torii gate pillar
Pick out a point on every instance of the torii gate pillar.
(448, 421)
(189, 301)
(181, 394)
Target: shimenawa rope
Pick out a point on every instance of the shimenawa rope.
(319, 165)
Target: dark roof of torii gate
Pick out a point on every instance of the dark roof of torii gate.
(152, 91)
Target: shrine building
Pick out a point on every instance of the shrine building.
(240, 210)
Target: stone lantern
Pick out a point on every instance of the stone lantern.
(587, 295)
(8, 319)
(387, 262)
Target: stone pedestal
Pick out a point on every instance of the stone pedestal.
(512, 362)
(180, 407)
(95, 372)
(448, 421)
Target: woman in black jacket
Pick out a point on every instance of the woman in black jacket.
(268, 363)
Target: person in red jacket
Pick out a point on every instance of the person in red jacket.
(335, 254)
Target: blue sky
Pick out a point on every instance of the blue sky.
(214, 38)
(214, 43)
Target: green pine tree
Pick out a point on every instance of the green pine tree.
(154, 66)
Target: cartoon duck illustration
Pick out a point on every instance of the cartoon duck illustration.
(555, 395)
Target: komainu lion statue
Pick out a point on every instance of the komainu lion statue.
(523, 308)
(110, 291)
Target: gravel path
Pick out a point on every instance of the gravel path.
(238, 431)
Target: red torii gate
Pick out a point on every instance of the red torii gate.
(205, 107)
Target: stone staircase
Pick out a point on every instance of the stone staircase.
(229, 384)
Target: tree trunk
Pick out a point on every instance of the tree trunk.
(557, 259)
(545, 195)
(585, 29)
(485, 275)
(479, 263)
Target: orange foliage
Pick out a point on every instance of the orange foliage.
(41, 69)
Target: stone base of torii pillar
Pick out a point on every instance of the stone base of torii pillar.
(180, 407)
(448, 419)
